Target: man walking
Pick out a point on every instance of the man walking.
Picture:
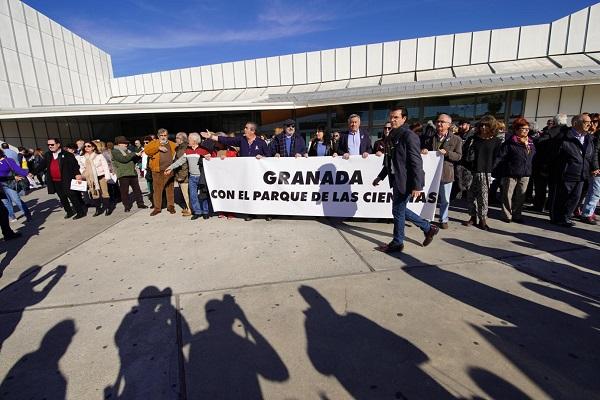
(61, 168)
(124, 162)
(404, 166)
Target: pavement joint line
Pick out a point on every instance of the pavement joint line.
(355, 249)
(180, 360)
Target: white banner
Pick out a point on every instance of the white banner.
(314, 186)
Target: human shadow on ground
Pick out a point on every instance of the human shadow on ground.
(225, 365)
(148, 351)
(494, 386)
(362, 233)
(562, 274)
(369, 361)
(338, 203)
(22, 293)
(557, 351)
(37, 375)
(40, 211)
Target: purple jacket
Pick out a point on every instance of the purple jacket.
(8, 167)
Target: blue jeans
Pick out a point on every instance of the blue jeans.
(401, 214)
(13, 197)
(444, 200)
(199, 207)
(592, 197)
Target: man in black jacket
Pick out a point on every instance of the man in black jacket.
(404, 166)
(574, 163)
(62, 167)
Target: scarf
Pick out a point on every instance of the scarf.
(91, 176)
(523, 141)
(281, 149)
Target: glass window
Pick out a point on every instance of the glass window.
(272, 120)
(491, 103)
(517, 99)
(459, 107)
(340, 114)
(308, 119)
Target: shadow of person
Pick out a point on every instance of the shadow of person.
(148, 352)
(369, 361)
(339, 197)
(494, 386)
(40, 211)
(225, 365)
(37, 375)
(557, 351)
(22, 293)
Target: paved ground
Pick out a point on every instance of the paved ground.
(138, 307)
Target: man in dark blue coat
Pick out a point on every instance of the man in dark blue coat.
(404, 167)
(288, 143)
(354, 142)
(575, 162)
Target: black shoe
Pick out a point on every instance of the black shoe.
(566, 224)
(268, 218)
(69, 215)
(142, 206)
(392, 247)
(127, 209)
(195, 216)
(109, 211)
(248, 218)
(98, 211)
(12, 235)
(433, 230)
(205, 216)
(79, 216)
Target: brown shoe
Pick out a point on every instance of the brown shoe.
(443, 225)
(186, 212)
(154, 212)
(470, 221)
(171, 210)
(433, 230)
(483, 225)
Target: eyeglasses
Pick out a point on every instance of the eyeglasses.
(587, 122)
(51, 144)
(88, 145)
(442, 122)
(290, 126)
(145, 142)
(387, 128)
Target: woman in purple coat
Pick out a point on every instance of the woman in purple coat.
(10, 175)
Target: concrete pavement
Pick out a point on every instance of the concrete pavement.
(132, 306)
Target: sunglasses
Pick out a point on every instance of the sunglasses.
(88, 145)
(290, 126)
(51, 144)
(387, 128)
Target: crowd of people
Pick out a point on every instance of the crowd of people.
(556, 169)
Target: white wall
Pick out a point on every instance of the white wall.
(42, 63)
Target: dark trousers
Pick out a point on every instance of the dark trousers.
(130, 181)
(540, 184)
(66, 196)
(6, 230)
(566, 199)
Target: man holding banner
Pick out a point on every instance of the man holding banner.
(404, 166)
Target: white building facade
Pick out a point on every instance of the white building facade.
(53, 83)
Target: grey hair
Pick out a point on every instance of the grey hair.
(560, 119)
(449, 117)
(182, 135)
(195, 137)
(353, 116)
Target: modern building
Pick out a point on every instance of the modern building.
(54, 83)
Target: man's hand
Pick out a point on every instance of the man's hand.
(78, 178)
(297, 155)
(376, 181)
(416, 193)
(258, 156)
(379, 154)
(162, 149)
(334, 155)
(206, 135)
(365, 155)
(596, 172)
(207, 157)
(277, 155)
(167, 172)
(443, 152)
(424, 151)
(346, 156)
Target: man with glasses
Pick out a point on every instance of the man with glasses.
(379, 145)
(335, 142)
(61, 168)
(161, 152)
(403, 165)
(289, 143)
(576, 159)
(353, 142)
(450, 147)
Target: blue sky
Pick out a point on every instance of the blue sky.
(153, 35)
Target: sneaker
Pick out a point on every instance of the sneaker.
(433, 230)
